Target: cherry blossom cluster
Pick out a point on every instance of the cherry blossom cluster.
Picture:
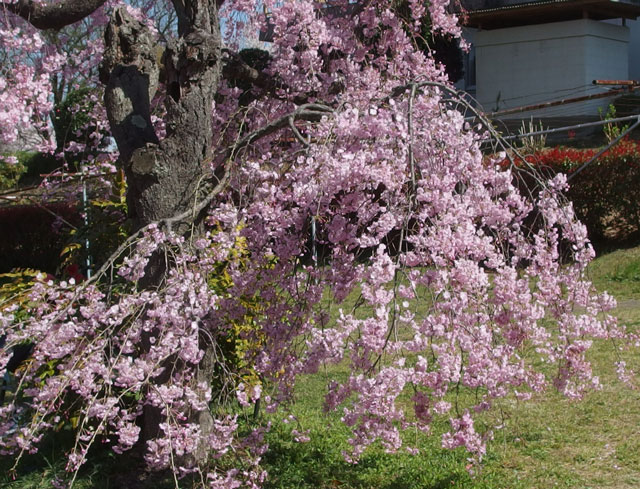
(109, 353)
(32, 64)
(465, 282)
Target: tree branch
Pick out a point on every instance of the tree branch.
(306, 112)
(130, 73)
(236, 69)
(53, 15)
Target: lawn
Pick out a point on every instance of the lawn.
(548, 442)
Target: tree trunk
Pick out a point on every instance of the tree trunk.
(164, 176)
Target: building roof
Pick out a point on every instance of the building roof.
(497, 14)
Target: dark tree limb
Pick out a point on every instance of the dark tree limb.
(130, 74)
(53, 15)
(306, 112)
(236, 69)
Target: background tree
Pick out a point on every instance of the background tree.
(350, 126)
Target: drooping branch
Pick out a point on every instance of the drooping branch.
(53, 15)
(307, 112)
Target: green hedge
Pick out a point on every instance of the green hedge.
(27, 170)
(28, 236)
(606, 194)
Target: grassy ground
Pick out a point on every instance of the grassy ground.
(548, 442)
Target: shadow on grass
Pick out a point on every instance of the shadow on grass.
(319, 464)
(103, 470)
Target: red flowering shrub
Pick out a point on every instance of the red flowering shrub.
(604, 194)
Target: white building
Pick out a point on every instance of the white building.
(527, 53)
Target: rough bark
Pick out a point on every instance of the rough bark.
(53, 15)
(164, 176)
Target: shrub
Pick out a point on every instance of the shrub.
(27, 170)
(10, 173)
(604, 194)
(27, 237)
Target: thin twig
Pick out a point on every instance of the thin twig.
(605, 149)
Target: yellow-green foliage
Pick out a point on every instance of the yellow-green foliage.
(15, 285)
(106, 228)
(244, 337)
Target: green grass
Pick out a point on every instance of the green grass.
(618, 273)
(548, 442)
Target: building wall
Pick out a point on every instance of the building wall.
(526, 65)
(468, 81)
(634, 49)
